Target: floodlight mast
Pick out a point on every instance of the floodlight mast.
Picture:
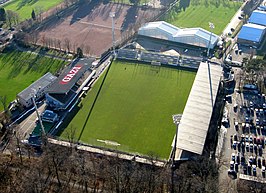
(211, 26)
(112, 15)
(38, 115)
(177, 122)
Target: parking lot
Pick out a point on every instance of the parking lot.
(246, 130)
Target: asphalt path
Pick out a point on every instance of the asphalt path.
(27, 125)
(225, 181)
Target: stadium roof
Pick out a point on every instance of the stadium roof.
(194, 124)
(42, 82)
(251, 32)
(175, 33)
(162, 25)
(70, 76)
(258, 17)
(202, 33)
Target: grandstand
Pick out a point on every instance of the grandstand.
(69, 84)
(194, 124)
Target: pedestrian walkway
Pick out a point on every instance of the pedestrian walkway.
(129, 157)
(234, 21)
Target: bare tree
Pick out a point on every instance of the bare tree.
(67, 44)
(39, 13)
(11, 18)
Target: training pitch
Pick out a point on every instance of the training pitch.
(19, 69)
(25, 7)
(198, 13)
(133, 111)
(89, 26)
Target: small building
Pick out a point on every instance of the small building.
(69, 84)
(258, 17)
(251, 35)
(49, 116)
(191, 36)
(37, 88)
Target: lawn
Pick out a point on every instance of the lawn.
(25, 7)
(19, 69)
(198, 13)
(134, 108)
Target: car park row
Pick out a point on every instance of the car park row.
(249, 141)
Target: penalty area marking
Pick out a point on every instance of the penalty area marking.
(108, 142)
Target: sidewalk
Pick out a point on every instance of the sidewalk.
(234, 21)
(129, 157)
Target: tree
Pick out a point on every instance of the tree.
(11, 18)
(79, 52)
(2, 14)
(135, 2)
(67, 44)
(33, 15)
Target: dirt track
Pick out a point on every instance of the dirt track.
(89, 26)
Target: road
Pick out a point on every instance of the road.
(27, 125)
(226, 182)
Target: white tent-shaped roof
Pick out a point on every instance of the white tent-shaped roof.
(192, 36)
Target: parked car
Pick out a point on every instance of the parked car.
(249, 170)
(250, 139)
(259, 162)
(233, 157)
(263, 171)
(247, 146)
(245, 170)
(232, 174)
(254, 170)
(236, 167)
(232, 165)
(251, 148)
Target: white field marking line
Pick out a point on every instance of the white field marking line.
(27, 120)
(94, 24)
(26, 132)
(108, 142)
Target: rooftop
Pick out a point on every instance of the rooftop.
(42, 82)
(63, 98)
(70, 76)
(194, 124)
(252, 32)
(176, 32)
(258, 17)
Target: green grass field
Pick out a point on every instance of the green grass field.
(134, 108)
(19, 69)
(198, 13)
(25, 7)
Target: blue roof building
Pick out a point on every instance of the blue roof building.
(251, 34)
(258, 17)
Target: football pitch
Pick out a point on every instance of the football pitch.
(134, 109)
(198, 13)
